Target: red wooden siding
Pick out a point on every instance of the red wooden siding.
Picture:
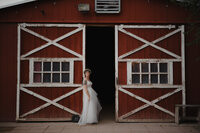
(128, 103)
(132, 11)
(149, 35)
(8, 71)
(73, 102)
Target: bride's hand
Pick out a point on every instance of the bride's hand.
(88, 98)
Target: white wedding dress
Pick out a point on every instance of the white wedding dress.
(91, 108)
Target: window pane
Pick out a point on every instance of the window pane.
(154, 67)
(46, 77)
(135, 67)
(37, 77)
(163, 67)
(65, 77)
(154, 78)
(65, 66)
(56, 66)
(56, 77)
(135, 78)
(163, 79)
(47, 66)
(145, 78)
(145, 67)
(37, 66)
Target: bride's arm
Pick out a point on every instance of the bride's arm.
(85, 88)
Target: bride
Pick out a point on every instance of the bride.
(91, 105)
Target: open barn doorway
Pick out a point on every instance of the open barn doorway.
(101, 60)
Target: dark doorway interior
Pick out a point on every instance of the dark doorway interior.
(100, 59)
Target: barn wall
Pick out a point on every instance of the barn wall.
(192, 70)
(65, 11)
(132, 11)
(8, 71)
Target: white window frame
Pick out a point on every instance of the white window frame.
(169, 73)
(31, 70)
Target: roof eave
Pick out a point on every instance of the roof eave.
(9, 3)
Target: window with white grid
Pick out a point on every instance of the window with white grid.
(48, 71)
(150, 73)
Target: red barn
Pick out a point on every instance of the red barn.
(135, 48)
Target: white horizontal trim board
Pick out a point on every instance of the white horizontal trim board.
(51, 85)
(133, 86)
(50, 25)
(148, 26)
(53, 59)
(149, 60)
(49, 102)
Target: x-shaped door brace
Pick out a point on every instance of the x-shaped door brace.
(147, 43)
(148, 103)
(52, 42)
(50, 102)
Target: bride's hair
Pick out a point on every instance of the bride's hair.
(87, 70)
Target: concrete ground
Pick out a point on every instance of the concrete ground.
(105, 125)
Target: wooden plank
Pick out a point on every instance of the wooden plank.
(116, 74)
(146, 120)
(148, 26)
(18, 71)
(51, 85)
(149, 60)
(43, 119)
(150, 86)
(183, 65)
(84, 48)
(50, 25)
(52, 59)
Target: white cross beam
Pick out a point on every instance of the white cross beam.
(147, 43)
(50, 102)
(51, 42)
(148, 103)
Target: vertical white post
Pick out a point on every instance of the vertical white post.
(170, 73)
(183, 65)
(18, 70)
(84, 48)
(116, 73)
(71, 71)
(31, 71)
(129, 81)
